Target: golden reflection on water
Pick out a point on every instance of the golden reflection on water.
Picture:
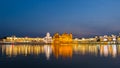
(61, 50)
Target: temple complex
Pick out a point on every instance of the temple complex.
(64, 38)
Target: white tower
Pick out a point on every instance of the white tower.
(47, 38)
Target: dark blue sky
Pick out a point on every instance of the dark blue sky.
(81, 17)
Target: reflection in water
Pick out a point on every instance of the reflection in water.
(47, 51)
(84, 49)
(108, 50)
(14, 50)
(61, 50)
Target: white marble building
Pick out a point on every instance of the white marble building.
(47, 38)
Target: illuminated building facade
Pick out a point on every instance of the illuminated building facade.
(22, 39)
(64, 38)
(14, 39)
(47, 38)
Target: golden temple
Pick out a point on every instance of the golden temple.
(64, 38)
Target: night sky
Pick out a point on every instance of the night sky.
(81, 17)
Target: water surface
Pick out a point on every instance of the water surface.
(60, 56)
